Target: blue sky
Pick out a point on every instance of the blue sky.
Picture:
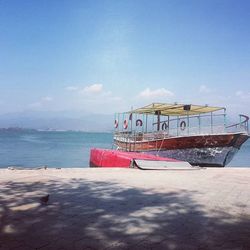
(106, 56)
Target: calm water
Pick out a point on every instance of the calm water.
(55, 149)
(66, 149)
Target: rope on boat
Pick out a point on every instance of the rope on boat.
(160, 146)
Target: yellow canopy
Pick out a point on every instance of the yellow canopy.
(175, 109)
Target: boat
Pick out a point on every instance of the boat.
(198, 134)
(107, 158)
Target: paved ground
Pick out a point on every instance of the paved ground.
(125, 209)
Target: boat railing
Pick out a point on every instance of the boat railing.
(241, 126)
(197, 130)
(134, 136)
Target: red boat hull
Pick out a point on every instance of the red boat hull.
(184, 142)
(114, 158)
(215, 150)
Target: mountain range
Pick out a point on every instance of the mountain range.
(63, 120)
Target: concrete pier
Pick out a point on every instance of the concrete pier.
(125, 209)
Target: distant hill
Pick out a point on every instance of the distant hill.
(58, 121)
(64, 120)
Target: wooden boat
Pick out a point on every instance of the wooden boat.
(194, 133)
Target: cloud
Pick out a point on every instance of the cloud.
(42, 102)
(36, 105)
(162, 92)
(115, 98)
(47, 99)
(93, 89)
(242, 95)
(94, 93)
(239, 93)
(204, 89)
(71, 88)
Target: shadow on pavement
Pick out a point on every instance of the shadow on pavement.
(104, 215)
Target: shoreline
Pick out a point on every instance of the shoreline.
(115, 208)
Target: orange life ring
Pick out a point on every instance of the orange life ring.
(116, 123)
(183, 125)
(125, 124)
(164, 126)
(138, 122)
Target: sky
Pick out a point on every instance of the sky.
(101, 56)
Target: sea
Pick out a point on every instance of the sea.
(66, 149)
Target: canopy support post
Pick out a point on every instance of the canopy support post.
(168, 125)
(212, 122)
(225, 121)
(158, 120)
(177, 125)
(199, 123)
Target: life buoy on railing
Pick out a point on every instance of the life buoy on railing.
(164, 126)
(138, 122)
(116, 123)
(183, 125)
(125, 124)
